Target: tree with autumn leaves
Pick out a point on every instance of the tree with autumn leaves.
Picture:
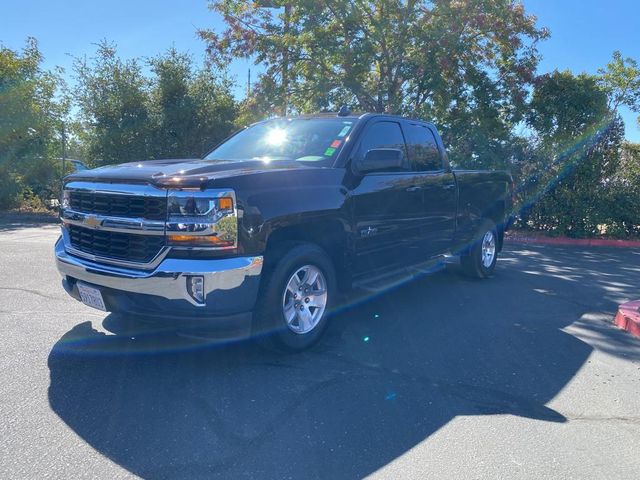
(466, 65)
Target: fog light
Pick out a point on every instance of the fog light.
(195, 287)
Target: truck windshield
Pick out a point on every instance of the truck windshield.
(317, 140)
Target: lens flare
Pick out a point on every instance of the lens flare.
(276, 137)
(565, 162)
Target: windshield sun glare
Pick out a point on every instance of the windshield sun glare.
(307, 140)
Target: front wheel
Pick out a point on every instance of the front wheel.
(296, 298)
(480, 261)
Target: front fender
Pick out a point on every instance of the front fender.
(270, 201)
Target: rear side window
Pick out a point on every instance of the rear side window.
(383, 135)
(423, 150)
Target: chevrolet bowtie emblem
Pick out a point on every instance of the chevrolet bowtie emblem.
(91, 221)
(368, 232)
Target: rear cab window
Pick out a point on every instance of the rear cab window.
(422, 148)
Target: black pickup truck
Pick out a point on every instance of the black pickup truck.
(266, 232)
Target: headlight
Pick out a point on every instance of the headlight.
(187, 209)
(202, 219)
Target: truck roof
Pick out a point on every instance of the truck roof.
(355, 116)
(352, 116)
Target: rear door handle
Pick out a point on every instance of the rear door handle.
(413, 188)
(450, 186)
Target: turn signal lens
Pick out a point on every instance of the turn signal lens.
(226, 203)
(199, 240)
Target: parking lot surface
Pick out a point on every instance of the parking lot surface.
(518, 376)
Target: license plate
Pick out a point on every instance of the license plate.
(91, 296)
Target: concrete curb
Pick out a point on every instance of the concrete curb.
(628, 317)
(579, 242)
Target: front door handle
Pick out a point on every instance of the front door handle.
(450, 186)
(413, 188)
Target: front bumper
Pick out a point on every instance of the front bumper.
(231, 288)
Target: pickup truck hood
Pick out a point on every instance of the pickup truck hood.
(181, 172)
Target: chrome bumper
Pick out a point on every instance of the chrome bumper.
(231, 284)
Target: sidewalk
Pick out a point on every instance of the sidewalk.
(524, 238)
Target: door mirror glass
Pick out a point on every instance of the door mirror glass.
(381, 159)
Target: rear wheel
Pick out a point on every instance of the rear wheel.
(480, 261)
(297, 294)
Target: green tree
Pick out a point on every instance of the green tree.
(623, 195)
(113, 98)
(192, 109)
(578, 140)
(170, 104)
(30, 119)
(216, 111)
(176, 112)
(621, 81)
(564, 106)
(465, 64)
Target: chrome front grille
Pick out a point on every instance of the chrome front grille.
(115, 223)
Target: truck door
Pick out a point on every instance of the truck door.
(437, 186)
(385, 205)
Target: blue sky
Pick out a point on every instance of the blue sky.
(584, 33)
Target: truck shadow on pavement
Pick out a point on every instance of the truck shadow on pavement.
(391, 372)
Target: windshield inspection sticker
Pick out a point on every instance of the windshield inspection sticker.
(344, 130)
(336, 143)
(329, 151)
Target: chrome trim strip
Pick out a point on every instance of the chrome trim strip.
(142, 189)
(113, 224)
(66, 241)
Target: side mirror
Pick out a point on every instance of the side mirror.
(381, 159)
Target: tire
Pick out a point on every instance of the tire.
(294, 321)
(480, 261)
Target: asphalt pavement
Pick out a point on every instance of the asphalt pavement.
(518, 376)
